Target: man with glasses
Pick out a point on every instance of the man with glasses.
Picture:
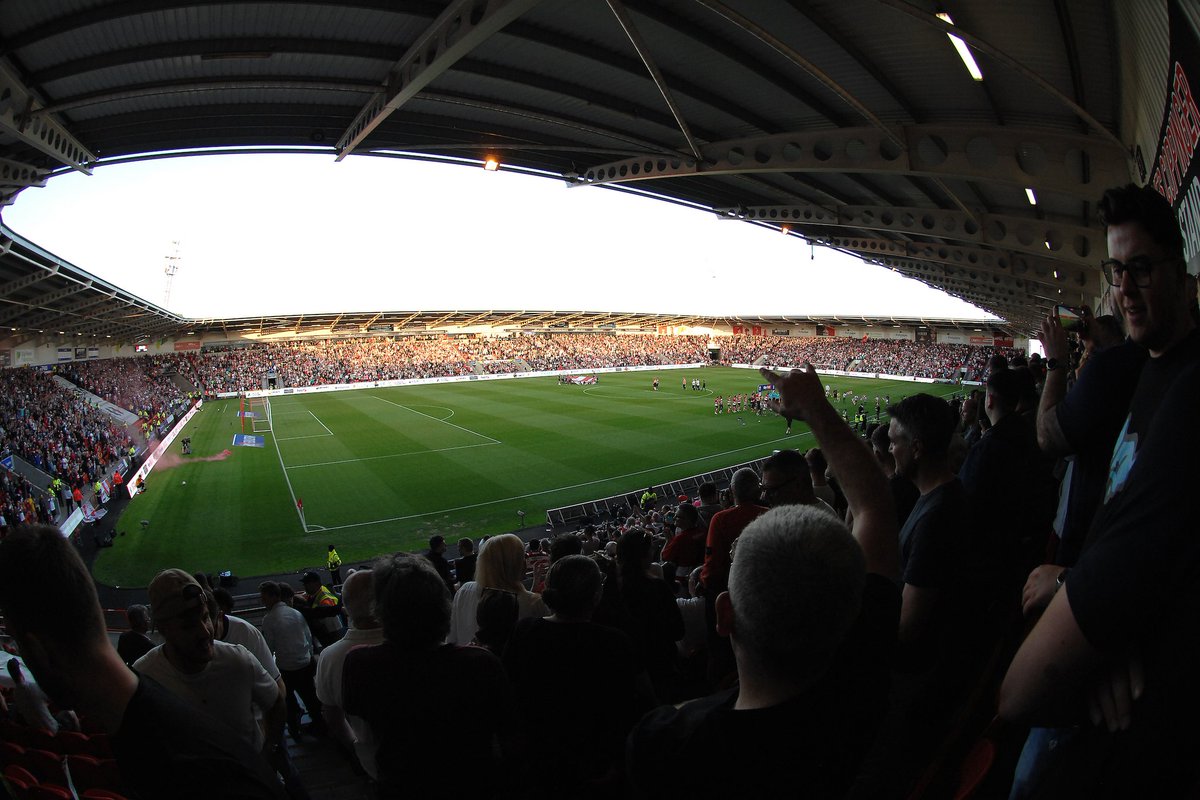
(1118, 643)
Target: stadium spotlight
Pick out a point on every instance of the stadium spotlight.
(1032, 197)
(491, 164)
(785, 229)
(964, 52)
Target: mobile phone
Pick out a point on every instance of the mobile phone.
(1070, 318)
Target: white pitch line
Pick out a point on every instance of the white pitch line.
(435, 419)
(291, 491)
(392, 455)
(310, 436)
(567, 488)
(322, 424)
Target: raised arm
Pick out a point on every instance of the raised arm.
(801, 397)
(1049, 433)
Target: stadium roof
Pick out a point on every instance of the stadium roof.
(852, 122)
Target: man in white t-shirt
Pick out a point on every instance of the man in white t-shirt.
(224, 680)
(288, 635)
(358, 595)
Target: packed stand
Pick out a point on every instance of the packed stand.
(141, 384)
(903, 357)
(55, 430)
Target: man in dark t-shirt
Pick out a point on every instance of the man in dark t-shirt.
(1119, 640)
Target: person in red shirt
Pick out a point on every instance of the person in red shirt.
(686, 549)
(726, 526)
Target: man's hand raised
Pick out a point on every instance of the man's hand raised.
(800, 392)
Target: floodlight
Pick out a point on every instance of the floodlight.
(491, 164)
(1032, 197)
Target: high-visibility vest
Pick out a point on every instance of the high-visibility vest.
(333, 562)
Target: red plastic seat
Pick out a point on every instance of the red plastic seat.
(11, 753)
(45, 765)
(975, 768)
(47, 791)
(42, 739)
(19, 778)
(94, 773)
(16, 733)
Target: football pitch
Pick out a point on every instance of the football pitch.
(382, 469)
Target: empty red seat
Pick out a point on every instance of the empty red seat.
(19, 777)
(47, 791)
(45, 765)
(11, 753)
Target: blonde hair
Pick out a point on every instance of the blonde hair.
(501, 563)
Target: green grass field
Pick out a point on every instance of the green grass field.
(382, 470)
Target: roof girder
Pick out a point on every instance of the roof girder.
(1053, 161)
(458, 30)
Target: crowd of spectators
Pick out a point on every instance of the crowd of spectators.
(140, 384)
(55, 430)
(369, 359)
(905, 357)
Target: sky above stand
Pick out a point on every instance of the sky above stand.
(289, 234)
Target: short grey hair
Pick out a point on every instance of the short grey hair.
(744, 484)
(796, 586)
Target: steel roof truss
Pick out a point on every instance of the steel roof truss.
(456, 32)
(1075, 165)
(18, 118)
(1074, 243)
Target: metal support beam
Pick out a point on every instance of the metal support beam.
(1047, 161)
(72, 310)
(17, 107)
(456, 32)
(660, 81)
(18, 174)
(12, 287)
(1075, 244)
(41, 303)
(977, 261)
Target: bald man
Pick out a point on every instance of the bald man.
(352, 733)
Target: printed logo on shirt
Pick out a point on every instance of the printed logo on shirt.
(1124, 454)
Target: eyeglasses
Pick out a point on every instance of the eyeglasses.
(1139, 268)
(771, 491)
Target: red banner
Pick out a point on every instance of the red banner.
(181, 346)
(1004, 342)
(982, 341)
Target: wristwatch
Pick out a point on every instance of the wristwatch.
(1052, 364)
(1062, 577)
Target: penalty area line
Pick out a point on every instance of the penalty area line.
(389, 455)
(435, 419)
